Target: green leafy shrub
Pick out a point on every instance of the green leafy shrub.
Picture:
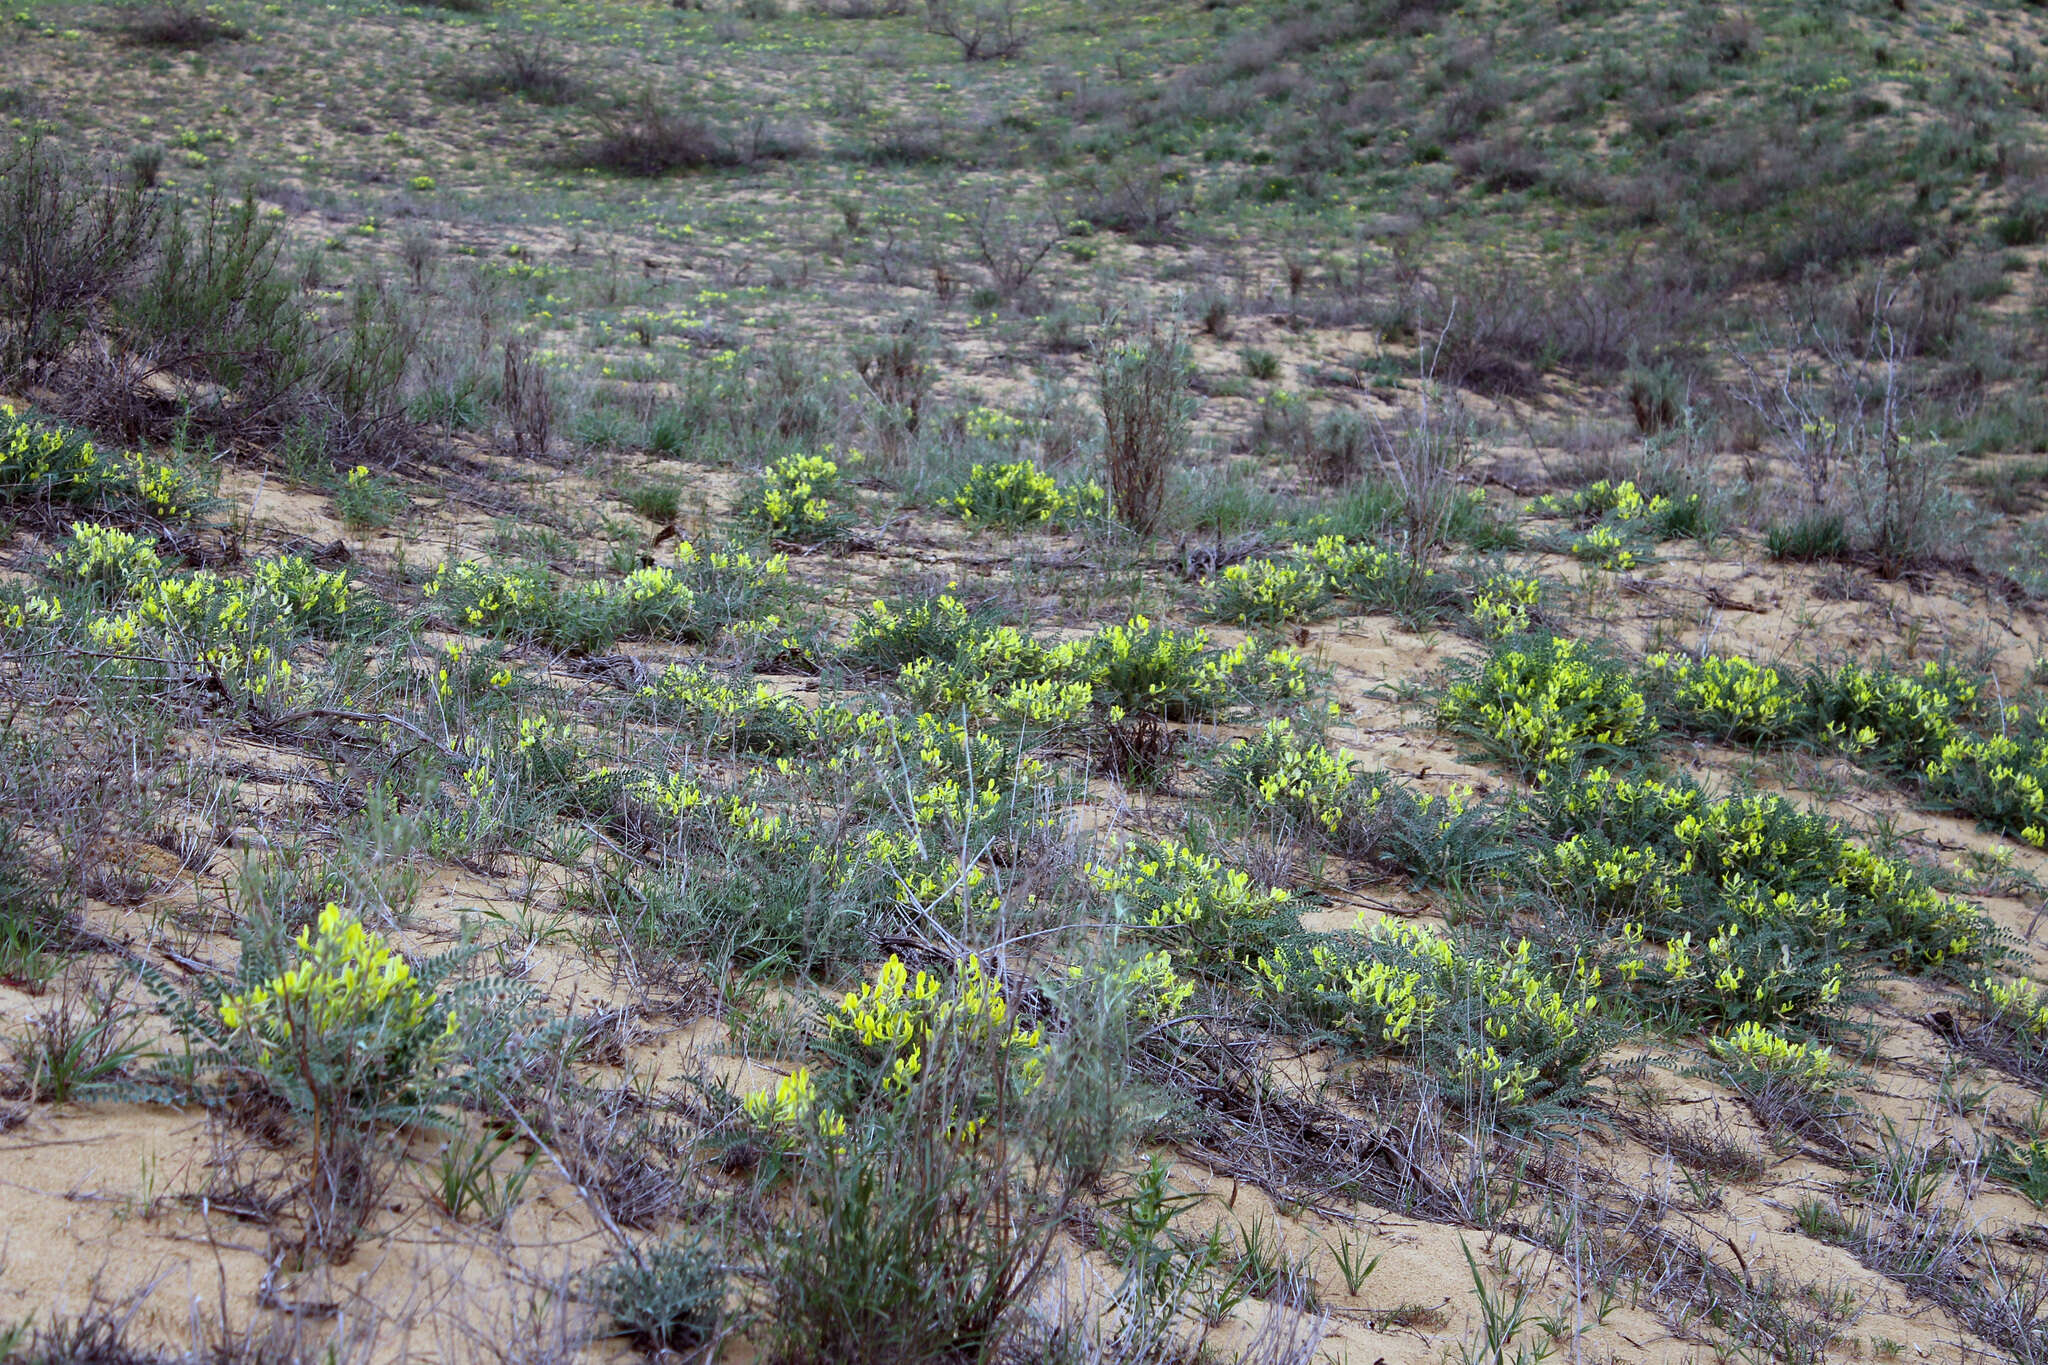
(44, 462)
(932, 1161)
(1191, 902)
(1620, 504)
(1021, 494)
(238, 632)
(522, 602)
(1738, 908)
(321, 602)
(1441, 838)
(1603, 547)
(704, 592)
(1267, 592)
(1546, 704)
(1511, 1033)
(797, 498)
(1722, 697)
(352, 1037)
(2001, 779)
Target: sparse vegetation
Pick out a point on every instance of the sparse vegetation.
(868, 680)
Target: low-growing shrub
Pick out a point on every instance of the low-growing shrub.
(365, 502)
(1899, 719)
(1132, 668)
(701, 594)
(1139, 667)
(177, 25)
(351, 1037)
(237, 632)
(1209, 914)
(1771, 1058)
(1722, 697)
(724, 714)
(888, 637)
(1509, 1033)
(105, 559)
(1146, 413)
(1431, 838)
(525, 65)
(796, 498)
(46, 462)
(1021, 494)
(1295, 775)
(668, 1296)
(1267, 592)
(647, 138)
(1547, 705)
(522, 602)
(1742, 907)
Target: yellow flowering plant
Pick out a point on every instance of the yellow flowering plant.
(1509, 1029)
(1741, 907)
(895, 1034)
(106, 559)
(1190, 900)
(1770, 1056)
(45, 462)
(797, 497)
(1722, 696)
(1547, 705)
(1019, 493)
(346, 1019)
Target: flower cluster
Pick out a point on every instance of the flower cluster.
(106, 558)
(1502, 603)
(1296, 776)
(1753, 1047)
(1268, 592)
(2019, 1006)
